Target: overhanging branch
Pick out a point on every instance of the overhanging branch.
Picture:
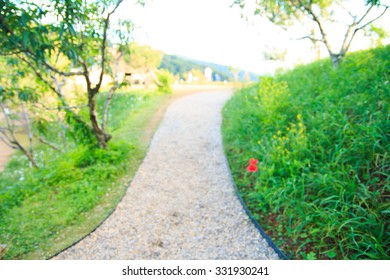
(104, 46)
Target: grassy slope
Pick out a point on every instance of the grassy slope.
(322, 139)
(44, 211)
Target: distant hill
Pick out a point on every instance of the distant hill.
(181, 66)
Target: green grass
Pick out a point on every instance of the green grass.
(43, 211)
(322, 138)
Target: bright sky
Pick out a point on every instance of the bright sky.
(212, 31)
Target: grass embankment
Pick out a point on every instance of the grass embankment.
(322, 138)
(43, 211)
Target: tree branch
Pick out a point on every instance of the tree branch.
(14, 143)
(309, 10)
(311, 38)
(38, 74)
(62, 73)
(347, 43)
(371, 21)
(28, 125)
(6, 138)
(51, 145)
(60, 107)
(104, 47)
(112, 91)
(7, 121)
(365, 14)
(2, 139)
(348, 12)
(59, 94)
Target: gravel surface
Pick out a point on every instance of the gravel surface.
(181, 203)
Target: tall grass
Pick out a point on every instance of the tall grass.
(322, 138)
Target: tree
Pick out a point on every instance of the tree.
(275, 54)
(235, 72)
(198, 75)
(21, 110)
(319, 14)
(40, 34)
(144, 59)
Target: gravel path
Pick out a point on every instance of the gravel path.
(181, 203)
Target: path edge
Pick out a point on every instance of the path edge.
(124, 194)
(279, 252)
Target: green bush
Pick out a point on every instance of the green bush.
(165, 81)
(322, 139)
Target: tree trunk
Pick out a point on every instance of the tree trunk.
(336, 59)
(101, 136)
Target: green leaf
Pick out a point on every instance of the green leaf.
(71, 29)
(24, 95)
(25, 39)
(62, 28)
(332, 254)
(311, 256)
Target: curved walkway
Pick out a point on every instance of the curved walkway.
(181, 203)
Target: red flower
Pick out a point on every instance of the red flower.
(252, 165)
(252, 168)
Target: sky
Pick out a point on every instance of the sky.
(212, 31)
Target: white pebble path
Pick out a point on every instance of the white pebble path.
(181, 203)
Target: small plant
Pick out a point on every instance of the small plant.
(165, 80)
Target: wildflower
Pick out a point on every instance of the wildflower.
(299, 117)
(252, 168)
(252, 165)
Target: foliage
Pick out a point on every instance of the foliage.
(165, 80)
(181, 66)
(320, 16)
(377, 35)
(143, 60)
(38, 206)
(58, 40)
(321, 136)
(143, 57)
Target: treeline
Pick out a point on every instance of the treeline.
(180, 66)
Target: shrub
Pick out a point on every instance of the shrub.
(165, 80)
